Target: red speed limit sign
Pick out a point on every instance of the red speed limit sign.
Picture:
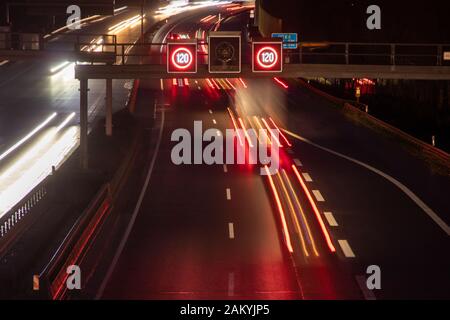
(267, 56)
(181, 57)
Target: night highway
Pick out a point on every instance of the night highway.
(229, 160)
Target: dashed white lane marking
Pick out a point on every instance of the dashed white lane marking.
(210, 111)
(162, 85)
(298, 163)
(307, 177)
(225, 168)
(214, 121)
(228, 194)
(362, 283)
(199, 88)
(231, 230)
(348, 252)
(3, 62)
(330, 218)
(433, 215)
(231, 284)
(318, 196)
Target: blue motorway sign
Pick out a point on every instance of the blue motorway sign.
(289, 39)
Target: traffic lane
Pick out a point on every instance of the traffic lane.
(321, 274)
(290, 113)
(263, 265)
(314, 116)
(46, 87)
(382, 226)
(188, 208)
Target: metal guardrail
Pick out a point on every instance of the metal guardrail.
(72, 249)
(14, 222)
(74, 246)
(371, 53)
(10, 219)
(425, 147)
(21, 41)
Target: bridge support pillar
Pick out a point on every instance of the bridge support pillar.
(108, 99)
(84, 123)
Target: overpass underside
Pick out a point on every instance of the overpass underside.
(308, 71)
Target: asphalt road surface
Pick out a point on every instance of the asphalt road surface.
(217, 232)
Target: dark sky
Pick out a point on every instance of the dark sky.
(345, 20)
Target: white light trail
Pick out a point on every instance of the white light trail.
(27, 137)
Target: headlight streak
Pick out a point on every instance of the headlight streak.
(28, 136)
(65, 122)
(176, 8)
(31, 175)
(33, 166)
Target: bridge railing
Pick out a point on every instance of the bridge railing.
(370, 53)
(104, 48)
(17, 219)
(21, 41)
(307, 53)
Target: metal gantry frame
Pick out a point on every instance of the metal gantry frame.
(109, 60)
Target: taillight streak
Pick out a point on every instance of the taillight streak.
(236, 127)
(271, 133)
(281, 133)
(287, 237)
(284, 85)
(316, 211)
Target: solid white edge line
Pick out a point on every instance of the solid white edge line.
(135, 213)
(346, 249)
(433, 215)
(330, 218)
(367, 293)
